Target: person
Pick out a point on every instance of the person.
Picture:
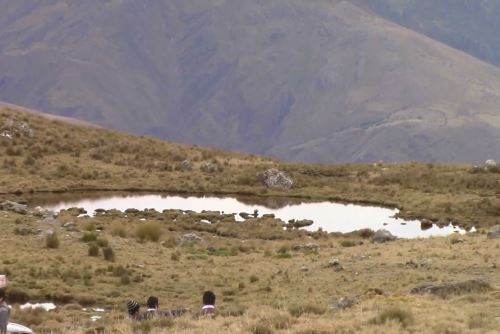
(133, 309)
(4, 312)
(153, 310)
(208, 308)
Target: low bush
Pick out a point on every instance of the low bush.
(93, 250)
(298, 310)
(52, 241)
(108, 253)
(405, 318)
(149, 231)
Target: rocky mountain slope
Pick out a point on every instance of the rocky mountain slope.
(322, 80)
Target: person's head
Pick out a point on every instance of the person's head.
(208, 298)
(2, 295)
(132, 307)
(153, 302)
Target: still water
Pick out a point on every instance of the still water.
(330, 216)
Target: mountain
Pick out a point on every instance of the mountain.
(322, 80)
(470, 26)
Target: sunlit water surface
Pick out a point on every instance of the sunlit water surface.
(329, 216)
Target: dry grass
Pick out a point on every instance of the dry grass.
(248, 275)
(250, 266)
(64, 157)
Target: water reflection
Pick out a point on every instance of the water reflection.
(331, 217)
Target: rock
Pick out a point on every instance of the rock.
(42, 213)
(335, 264)
(494, 232)
(45, 233)
(209, 167)
(186, 166)
(292, 223)
(14, 207)
(447, 289)
(70, 227)
(24, 230)
(190, 237)
(425, 224)
(244, 215)
(308, 246)
(382, 236)
(346, 302)
(268, 215)
(274, 178)
(48, 220)
(490, 164)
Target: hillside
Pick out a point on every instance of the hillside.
(470, 26)
(267, 279)
(324, 81)
(40, 154)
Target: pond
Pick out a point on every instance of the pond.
(330, 216)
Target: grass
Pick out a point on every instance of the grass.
(66, 158)
(260, 283)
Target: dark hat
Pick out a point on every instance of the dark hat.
(132, 306)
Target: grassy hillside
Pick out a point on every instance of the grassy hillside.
(263, 284)
(325, 81)
(470, 26)
(61, 156)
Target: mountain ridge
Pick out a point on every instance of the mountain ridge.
(297, 80)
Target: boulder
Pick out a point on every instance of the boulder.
(48, 220)
(346, 302)
(490, 163)
(45, 233)
(186, 166)
(70, 227)
(190, 237)
(14, 207)
(274, 178)
(457, 288)
(494, 232)
(293, 223)
(42, 213)
(382, 236)
(335, 264)
(308, 246)
(209, 167)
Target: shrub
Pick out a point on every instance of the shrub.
(93, 250)
(299, 310)
(348, 243)
(52, 241)
(125, 279)
(102, 242)
(109, 254)
(149, 231)
(253, 279)
(259, 328)
(89, 237)
(394, 314)
(118, 230)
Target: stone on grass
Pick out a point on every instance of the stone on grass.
(335, 264)
(274, 178)
(494, 232)
(382, 236)
(190, 237)
(448, 289)
(346, 302)
(186, 166)
(14, 207)
(308, 246)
